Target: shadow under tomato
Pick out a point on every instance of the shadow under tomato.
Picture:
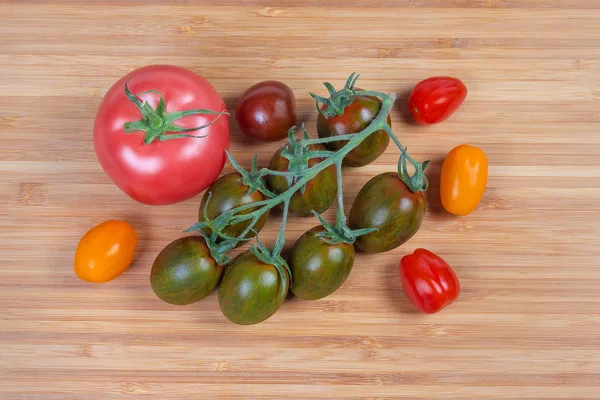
(432, 195)
(276, 212)
(291, 297)
(142, 230)
(402, 107)
(308, 117)
(392, 284)
(235, 133)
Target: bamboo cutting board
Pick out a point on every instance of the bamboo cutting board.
(527, 323)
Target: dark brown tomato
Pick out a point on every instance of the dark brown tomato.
(319, 268)
(266, 111)
(357, 116)
(227, 193)
(250, 291)
(184, 272)
(386, 203)
(320, 191)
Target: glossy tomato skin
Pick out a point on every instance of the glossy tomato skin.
(386, 203)
(250, 291)
(105, 251)
(162, 172)
(266, 111)
(435, 99)
(319, 268)
(428, 281)
(226, 193)
(357, 116)
(463, 179)
(320, 191)
(184, 272)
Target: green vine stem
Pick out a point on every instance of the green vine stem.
(280, 241)
(418, 181)
(340, 216)
(340, 232)
(298, 153)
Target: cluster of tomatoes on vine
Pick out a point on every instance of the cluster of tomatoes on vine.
(164, 140)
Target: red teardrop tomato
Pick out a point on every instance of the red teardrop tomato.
(146, 148)
(429, 282)
(435, 99)
(266, 111)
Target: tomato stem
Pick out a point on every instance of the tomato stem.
(340, 232)
(268, 257)
(330, 139)
(280, 241)
(340, 216)
(338, 100)
(418, 180)
(253, 179)
(156, 123)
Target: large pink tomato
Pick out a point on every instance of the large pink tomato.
(161, 135)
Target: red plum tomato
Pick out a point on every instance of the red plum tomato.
(428, 281)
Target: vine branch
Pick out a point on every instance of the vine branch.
(298, 153)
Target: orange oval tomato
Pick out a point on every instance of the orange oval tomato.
(105, 251)
(464, 178)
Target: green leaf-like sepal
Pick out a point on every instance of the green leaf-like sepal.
(338, 100)
(335, 234)
(265, 256)
(418, 180)
(298, 154)
(253, 179)
(156, 123)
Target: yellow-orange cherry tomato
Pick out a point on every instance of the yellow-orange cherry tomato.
(464, 178)
(105, 251)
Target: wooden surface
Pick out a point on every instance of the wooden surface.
(527, 323)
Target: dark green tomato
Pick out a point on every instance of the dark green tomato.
(184, 272)
(319, 268)
(386, 203)
(227, 193)
(250, 291)
(320, 191)
(356, 117)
